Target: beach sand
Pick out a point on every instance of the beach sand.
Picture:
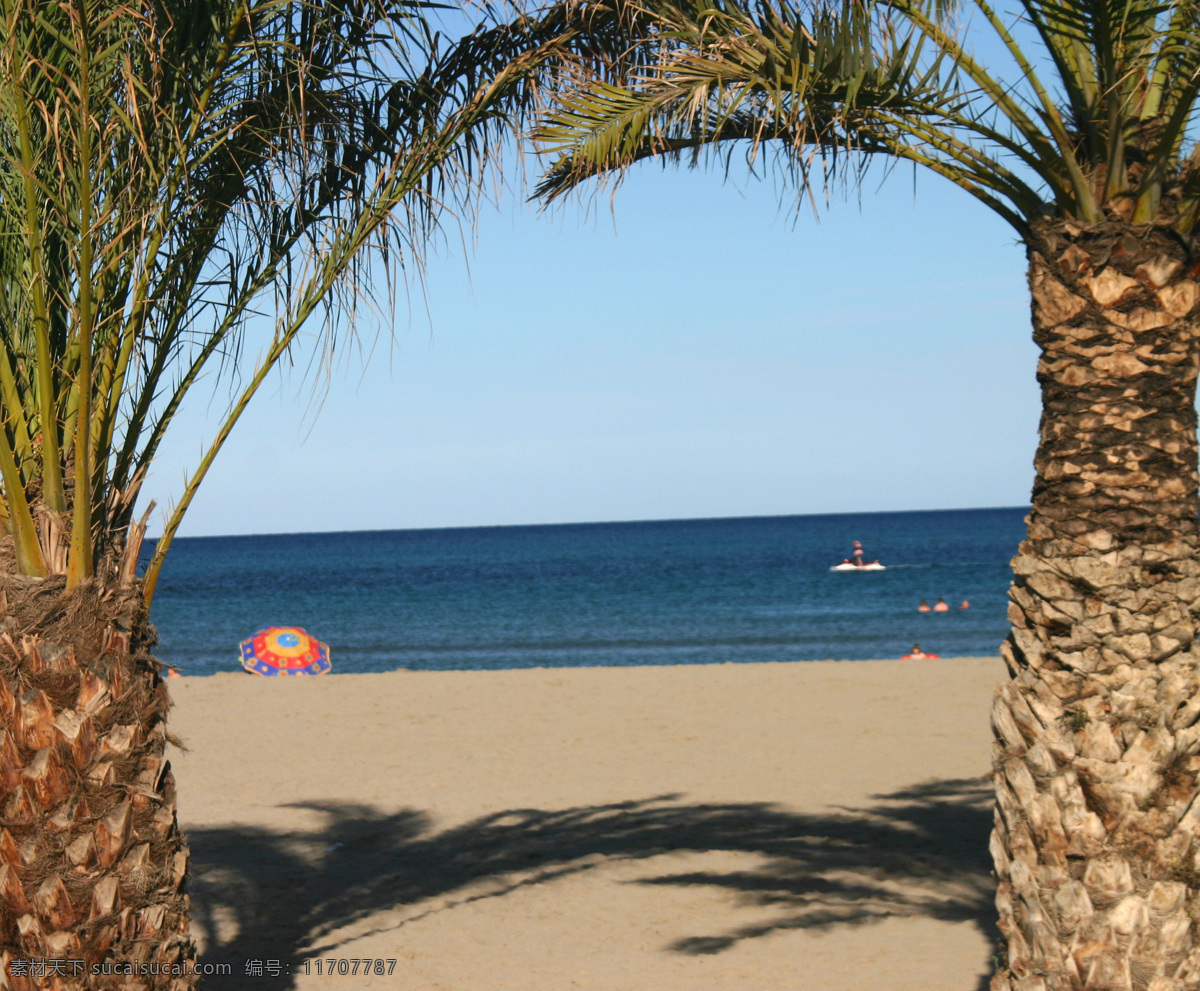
(751, 827)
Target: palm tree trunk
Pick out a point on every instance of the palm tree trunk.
(1097, 824)
(92, 862)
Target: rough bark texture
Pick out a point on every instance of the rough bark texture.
(92, 862)
(1097, 826)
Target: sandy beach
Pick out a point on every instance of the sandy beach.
(760, 827)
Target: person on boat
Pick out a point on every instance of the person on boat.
(857, 556)
(923, 607)
(940, 606)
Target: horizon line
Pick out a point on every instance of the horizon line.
(512, 526)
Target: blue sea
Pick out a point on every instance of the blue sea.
(609, 594)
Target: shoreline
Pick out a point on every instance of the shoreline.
(236, 669)
(767, 825)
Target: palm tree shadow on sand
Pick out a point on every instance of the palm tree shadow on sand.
(263, 896)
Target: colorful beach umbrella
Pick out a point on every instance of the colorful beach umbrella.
(282, 650)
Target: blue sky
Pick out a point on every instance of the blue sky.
(696, 351)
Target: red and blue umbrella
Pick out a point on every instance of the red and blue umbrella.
(282, 650)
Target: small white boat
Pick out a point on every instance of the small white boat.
(848, 565)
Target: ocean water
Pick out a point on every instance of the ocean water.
(664, 592)
(645, 593)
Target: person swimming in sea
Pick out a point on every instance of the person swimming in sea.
(940, 605)
(923, 607)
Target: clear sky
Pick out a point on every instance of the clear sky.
(693, 352)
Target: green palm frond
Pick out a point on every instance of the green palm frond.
(1102, 134)
(169, 171)
(734, 73)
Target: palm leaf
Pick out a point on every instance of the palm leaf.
(1103, 135)
(171, 171)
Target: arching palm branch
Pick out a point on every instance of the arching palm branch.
(1083, 146)
(172, 171)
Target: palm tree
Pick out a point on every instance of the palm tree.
(1081, 142)
(182, 182)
